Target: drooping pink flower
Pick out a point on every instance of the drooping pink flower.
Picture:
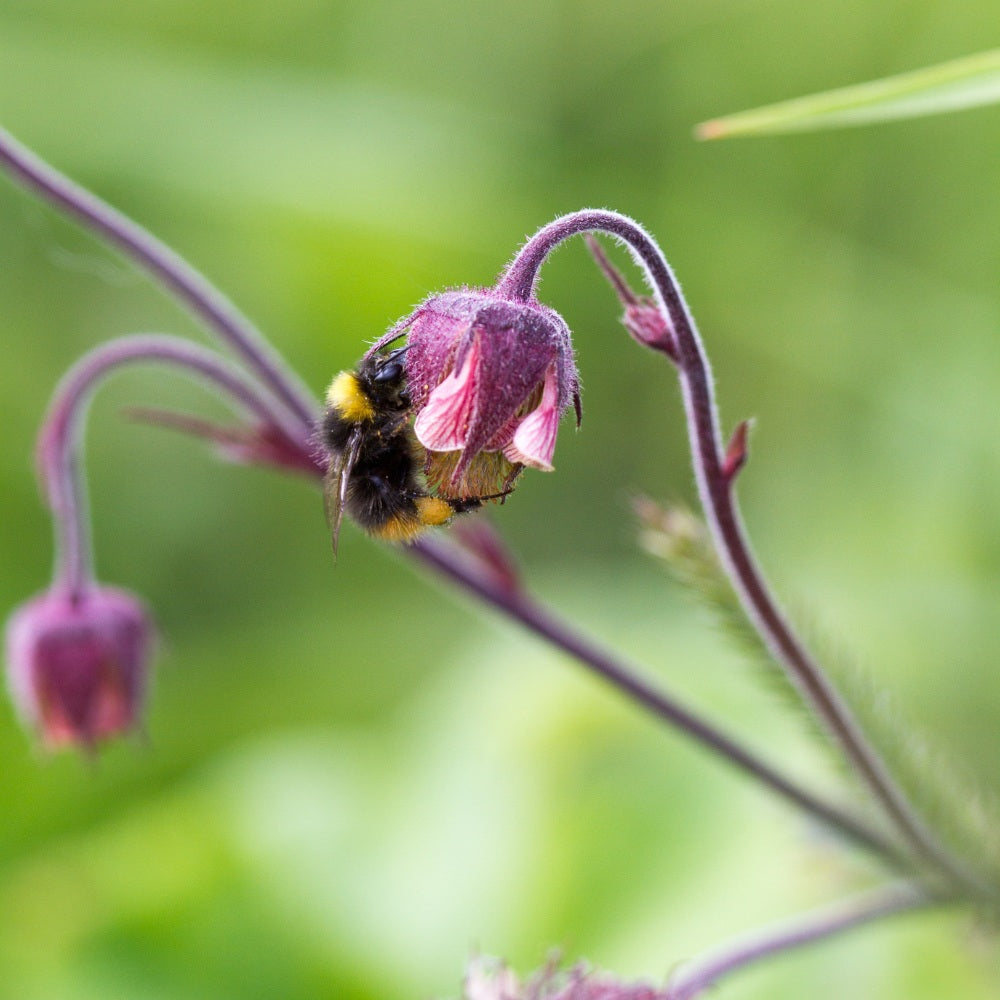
(489, 379)
(78, 668)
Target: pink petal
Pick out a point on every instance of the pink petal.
(534, 441)
(443, 423)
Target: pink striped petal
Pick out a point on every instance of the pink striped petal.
(534, 441)
(443, 423)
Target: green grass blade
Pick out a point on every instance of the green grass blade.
(963, 83)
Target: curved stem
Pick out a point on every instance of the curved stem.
(59, 440)
(722, 511)
(864, 908)
(166, 266)
(520, 607)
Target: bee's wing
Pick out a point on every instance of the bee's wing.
(338, 476)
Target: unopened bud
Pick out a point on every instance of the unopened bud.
(78, 667)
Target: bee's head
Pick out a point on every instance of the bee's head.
(384, 379)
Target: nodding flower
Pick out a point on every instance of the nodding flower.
(489, 379)
(78, 665)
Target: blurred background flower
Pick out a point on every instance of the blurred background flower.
(78, 668)
(351, 781)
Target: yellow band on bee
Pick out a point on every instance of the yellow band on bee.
(346, 396)
(433, 511)
(403, 527)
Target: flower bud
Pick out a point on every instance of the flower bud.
(489, 379)
(77, 668)
(645, 321)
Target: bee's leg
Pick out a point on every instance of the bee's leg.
(394, 424)
(433, 511)
(508, 485)
(461, 505)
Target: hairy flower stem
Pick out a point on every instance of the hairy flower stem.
(166, 266)
(523, 609)
(722, 511)
(809, 928)
(59, 441)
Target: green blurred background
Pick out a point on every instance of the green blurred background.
(353, 780)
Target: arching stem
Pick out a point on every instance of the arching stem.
(60, 437)
(865, 908)
(722, 512)
(521, 608)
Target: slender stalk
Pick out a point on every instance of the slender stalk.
(722, 511)
(521, 608)
(166, 266)
(60, 438)
(864, 908)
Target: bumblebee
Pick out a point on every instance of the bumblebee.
(375, 458)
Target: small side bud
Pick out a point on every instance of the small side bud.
(77, 669)
(645, 321)
(737, 451)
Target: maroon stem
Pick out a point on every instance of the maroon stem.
(864, 909)
(721, 509)
(166, 266)
(59, 440)
(521, 608)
